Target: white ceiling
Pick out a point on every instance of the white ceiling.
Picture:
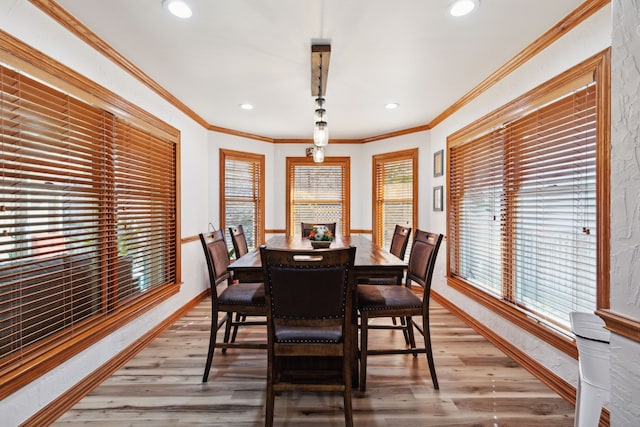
(233, 51)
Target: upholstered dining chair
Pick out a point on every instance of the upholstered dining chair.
(309, 322)
(307, 227)
(398, 247)
(400, 301)
(244, 299)
(239, 240)
(400, 241)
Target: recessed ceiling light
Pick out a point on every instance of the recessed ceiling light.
(246, 106)
(391, 105)
(178, 8)
(462, 7)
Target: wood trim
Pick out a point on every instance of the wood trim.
(189, 239)
(68, 21)
(603, 178)
(379, 160)
(275, 231)
(595, 67)
(309, 141)
(557, 384)
(554, 382)
(65, 401)
(240, 134)
(621, 325)
(36, 64)
(360, 231)
(568, 23)
(39, 364)
(345, 162)
(517, 317)
(388, 135)
(245, 157)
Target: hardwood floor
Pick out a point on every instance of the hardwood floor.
(479, 386)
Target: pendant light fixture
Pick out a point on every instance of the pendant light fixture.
(319, 72)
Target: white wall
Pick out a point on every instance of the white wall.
(625, 208)
(199, 187)
(25, 22)
(276, 174)
(589, 38)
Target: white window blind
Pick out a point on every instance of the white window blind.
(87, 216)
(523, 220)
(318, 193)
(395, 192)
(243, 195)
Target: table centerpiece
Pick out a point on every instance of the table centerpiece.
(320, 237)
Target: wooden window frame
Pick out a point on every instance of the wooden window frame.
(16, 372)
(259, 199)
(378, 204)
(598, 69)
(345, 163)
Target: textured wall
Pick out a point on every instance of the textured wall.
(625, 207)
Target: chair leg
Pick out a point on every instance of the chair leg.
(364, 332)
(212, 345)
(409, 333)
(271, 398)
(348, 384)
(239, 318)
(348, 410)
(227, 330)
(427, 345)
(405, 331)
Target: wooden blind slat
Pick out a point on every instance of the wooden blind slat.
(87, 217)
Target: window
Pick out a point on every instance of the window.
(242, 190)
(528, 196)
(87, 222)
(395, 192)
(318, 192)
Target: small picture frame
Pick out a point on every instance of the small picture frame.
(438, 163)
(437, 198)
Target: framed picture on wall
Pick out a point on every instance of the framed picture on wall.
(438, 163)
(437, 198)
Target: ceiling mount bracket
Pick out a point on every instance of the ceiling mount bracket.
(320, 54)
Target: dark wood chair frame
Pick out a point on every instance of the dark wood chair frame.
(400, 241)
(400, 301)
(239, 240)
(244, 299)
(309, 294)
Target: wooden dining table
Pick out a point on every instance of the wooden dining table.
(371, 261)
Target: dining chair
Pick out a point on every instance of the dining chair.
(239, 240)
(400, 241)
(309, 322)
(307, 227)
(400, 301)
(398, 247)
(244, 299)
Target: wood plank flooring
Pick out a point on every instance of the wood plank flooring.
(479, 386)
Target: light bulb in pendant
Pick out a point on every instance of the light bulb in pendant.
(321, 134)
(318, 154)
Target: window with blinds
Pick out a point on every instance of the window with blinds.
(318, 192)
(395, 192)
(87, 217)
(242, 190)
(525, 199)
